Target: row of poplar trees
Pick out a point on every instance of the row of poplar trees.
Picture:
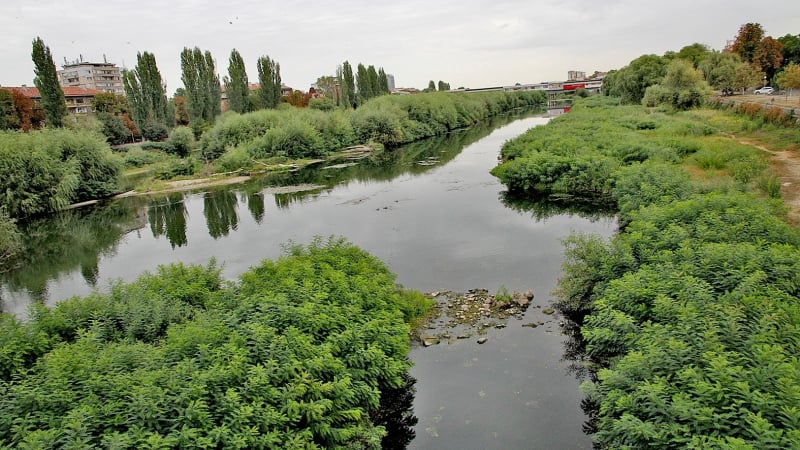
(364, 85)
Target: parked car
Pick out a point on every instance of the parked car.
(764, 90)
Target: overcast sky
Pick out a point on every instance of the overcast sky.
(471, 43)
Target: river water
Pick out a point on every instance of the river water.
(431, 211)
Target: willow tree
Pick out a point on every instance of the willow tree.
(269, 79)
(53, 102)
(146, 92)
(236, 84)
(201, 84)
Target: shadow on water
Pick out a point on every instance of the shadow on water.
(546, 207)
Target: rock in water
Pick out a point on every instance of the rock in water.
(482, 340)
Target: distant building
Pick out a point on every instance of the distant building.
(79, 100)
(104, 76)
(390, 82)
(576, 75)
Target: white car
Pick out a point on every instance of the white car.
(764, 90)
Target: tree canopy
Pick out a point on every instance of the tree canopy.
(201, 84)
(146, 93)
(269, 79)
(237, 87)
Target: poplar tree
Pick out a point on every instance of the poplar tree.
(348, 85)
(431, 86)
(269, 78)
(146, 92)
(201, 84)
(236, 84)
(383, 82)
(363, 84)
(374, 82)
(443, 86)
(53, 102)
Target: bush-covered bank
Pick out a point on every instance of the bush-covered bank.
(387, 120)
(690, 316)
(46, 170)
(296, 354)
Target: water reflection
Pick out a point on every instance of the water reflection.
(219, 208)
(255, 204)
(545, 207)
(167, 216)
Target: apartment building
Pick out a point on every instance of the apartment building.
(104, 76)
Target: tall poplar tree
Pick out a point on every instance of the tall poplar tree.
(363, 84)
(383, 81)
(201, 84)
(53, 102)
(269, 79)
(146, 92)
(236, 84)
(374, 82)
(348, 85)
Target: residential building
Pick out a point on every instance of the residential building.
(576, 75)
(390, 82)
(104, 76)
(79, 100)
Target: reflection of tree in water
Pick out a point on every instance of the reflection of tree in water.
(255, 203)
(168, 216)
(61, 243)
(545, 207)
(219, 207)
(396, 414)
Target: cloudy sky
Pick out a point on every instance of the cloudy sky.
(472, 43)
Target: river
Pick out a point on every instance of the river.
(430, 210)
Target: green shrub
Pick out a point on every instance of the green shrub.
(175, 167)
(154, 131)
(10, 241)
(181, 141)
(138, 157)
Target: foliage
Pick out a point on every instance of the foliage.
(8, 115)
(322, 104)
(46, 81)
(155, 131)
(269, 79)
(175, 167)
(181, 141)
(297, 354)
(388, 120)
(630, 82)
(139, 157)
(144, 90)
(237, 87)
(201, 85)
(789, 78)
(43, 171)
(727, 72)
(682, 88)
(791, 49)
(443, 86)
(348, 85)
(114, 128)
(690, 315)
(747, 41)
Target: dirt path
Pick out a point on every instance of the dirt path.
(786, 164)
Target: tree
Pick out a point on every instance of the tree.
(443, 86)
(146, 92)
(768, 56)
(328, 86)
(431, 86)
(746, 42)
(363, 84)
(236, 84)
(374, 82)
(53, 101)
(683, 87)
(791, 49)
(8, 115)
(789, 78)
(269, 78)
(727, 72)
(201, 83)
(630, 82)
(694, 53)
(348, 84)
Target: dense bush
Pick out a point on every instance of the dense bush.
(387, 120)
(181, 141)
(294, 355)
(154, 131)
(114, 128)
(690, 316)
(47, 170)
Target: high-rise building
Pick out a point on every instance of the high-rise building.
(104, 76)
(390, 82)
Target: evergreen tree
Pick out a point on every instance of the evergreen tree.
(348, 85)
(202, 84)
(53, 101)
(431, 86)
(443, 86)
(383, 82)
(269, 77)
(146, 92)
(236, 84)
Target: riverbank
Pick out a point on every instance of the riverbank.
(680, 312)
